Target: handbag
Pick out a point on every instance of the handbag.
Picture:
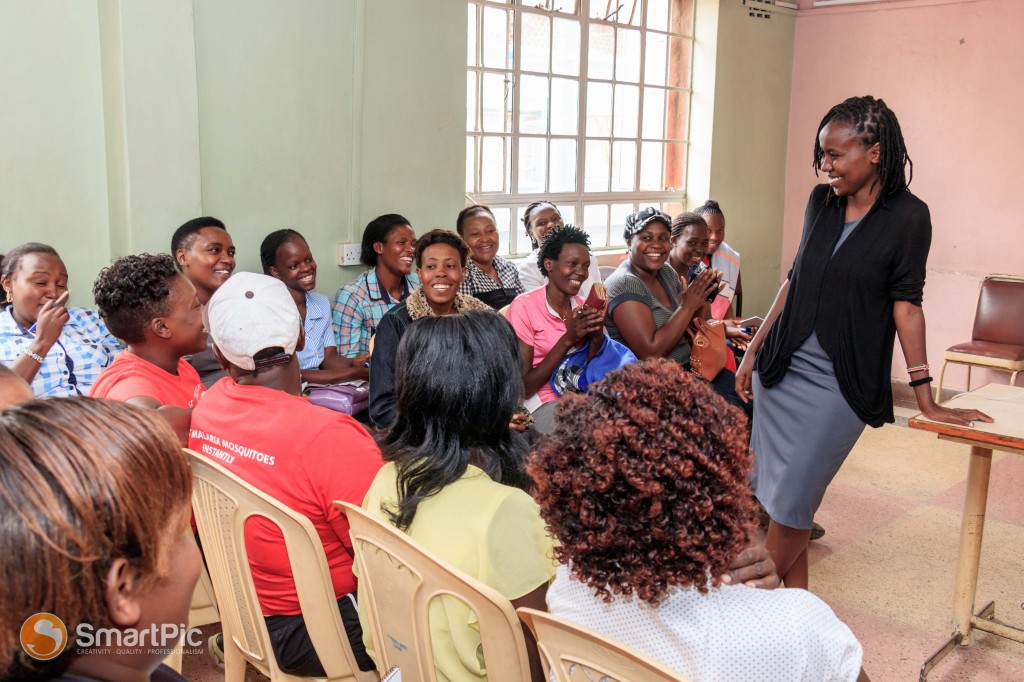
(707, 347)
(349, 398)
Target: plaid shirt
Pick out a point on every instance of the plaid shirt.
(357, 309)
(477, 281)
(85, 347)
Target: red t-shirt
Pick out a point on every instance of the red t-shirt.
(304, 456)
(129, 376)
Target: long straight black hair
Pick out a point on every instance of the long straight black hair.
(457, 384)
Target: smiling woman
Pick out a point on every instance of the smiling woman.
(649, 306)
(59, 350)
(440, 261)
(489, 277)
(205, 254)
(285, 255)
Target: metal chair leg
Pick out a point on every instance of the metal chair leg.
(968, 378)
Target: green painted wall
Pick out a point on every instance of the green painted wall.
(123, 119)
(753, 76)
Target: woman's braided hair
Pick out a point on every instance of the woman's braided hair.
(874, 122)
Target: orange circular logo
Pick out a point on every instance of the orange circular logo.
(43, 636)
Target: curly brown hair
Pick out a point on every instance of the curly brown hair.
(644, 482)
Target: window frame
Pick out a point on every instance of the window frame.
(516, 201)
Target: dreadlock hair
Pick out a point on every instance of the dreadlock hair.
(709, 207)
(874, 122)
(551, 249)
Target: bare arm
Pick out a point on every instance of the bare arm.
(583, 322)
(746, 368)
(910, 327)
(49, 325)
(636, 322)
(180, 418)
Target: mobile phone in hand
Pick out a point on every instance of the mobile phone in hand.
(692, 273)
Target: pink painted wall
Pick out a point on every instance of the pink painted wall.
(953, 71)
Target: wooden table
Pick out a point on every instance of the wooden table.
(1005, 404)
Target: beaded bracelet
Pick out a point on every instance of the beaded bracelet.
(919, 382)
(918, 368)
(38, 358)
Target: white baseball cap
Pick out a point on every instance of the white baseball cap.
(250, 313)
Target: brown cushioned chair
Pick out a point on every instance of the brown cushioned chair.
(997, 340)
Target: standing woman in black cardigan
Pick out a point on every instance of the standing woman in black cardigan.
(824, 355)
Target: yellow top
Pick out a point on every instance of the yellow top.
(492, 532)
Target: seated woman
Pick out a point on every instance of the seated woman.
(644, 485)
(58, 349)
(540, 218)
(149, 305)
(96, 499)
(358, 307)
(454, 478)
(440, 265)
(285, 255)
(205, 254)
(690, 244)
(489, 277)
(648, 308)
(723, 258)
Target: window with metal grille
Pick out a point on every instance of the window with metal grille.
(581, 102)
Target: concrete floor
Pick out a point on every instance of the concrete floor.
(887, 561)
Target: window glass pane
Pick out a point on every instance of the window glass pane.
(657, 15)
(497, 104)
(673, 208)
(596, 178)
(654, 114)
(533, 164)
(566, 55)
(535, 45)
(568, 212)
(623, 166)
(618, 222)
(563, 166)
(502, 216)
(627, 107)
(497, 49)
(675, 165)
(650, 166)
(654, 66)
(533, 104)
(595, 222)
(564, 106)
(601, 58)
(471, 43)
(634, 17)
(492, 164)
(680, 51)
(471, 110)
(599, 109)
(677, 114)
(470, 164)
(627, 56)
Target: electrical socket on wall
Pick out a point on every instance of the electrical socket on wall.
(348, 254)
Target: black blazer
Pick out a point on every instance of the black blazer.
(847, 298)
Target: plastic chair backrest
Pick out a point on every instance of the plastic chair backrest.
(576, 654)
(397, 581)
(1000, 314)
(223, 503)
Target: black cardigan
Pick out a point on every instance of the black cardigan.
(847, 298)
